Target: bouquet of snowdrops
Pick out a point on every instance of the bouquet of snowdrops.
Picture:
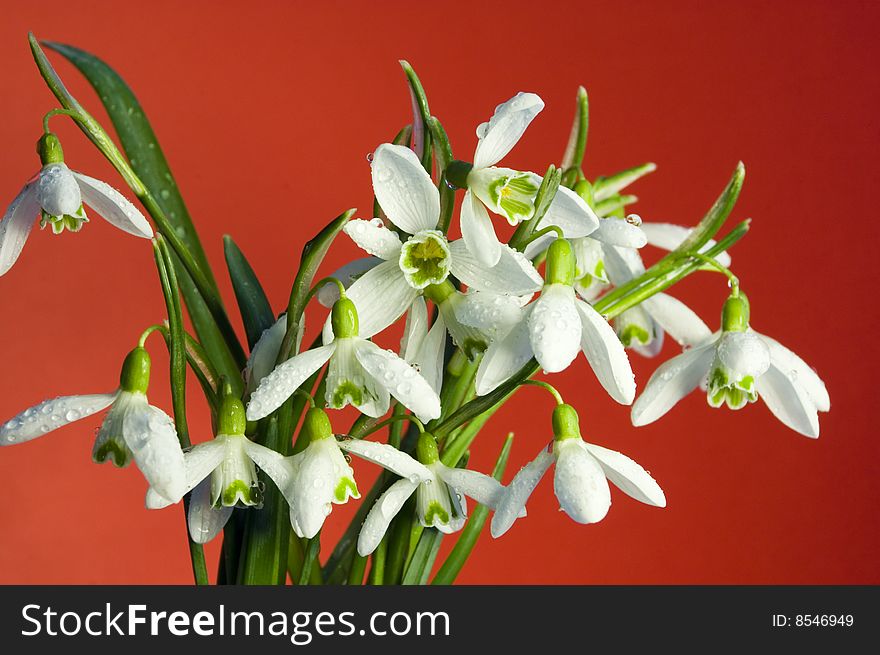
(483, 316)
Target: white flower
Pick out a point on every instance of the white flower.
(553, 329)
(424, 347)
(511, 193)
(411, 201)
(642, 327)
(580, 483)
(132, 429)
(56, 194)
(315, 479)
(739, 367)
(360, 373)
(440, 498)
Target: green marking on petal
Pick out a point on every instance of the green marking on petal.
(633, 333)
(435, 509)
(424, 259)
(514, 196)
(112, 449)
(344, 489)
(240, 491)
(72, 223)
(347, 392)
(736, 394)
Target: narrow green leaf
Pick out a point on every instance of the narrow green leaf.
(421, 116)
(457, 557)
(256, 312)
(443, 155)
(717, 214)
(311, 557)
(573, 158)
(422, 561)
(605, 187)
(613, 204)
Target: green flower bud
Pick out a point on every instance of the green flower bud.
(344, 319)
(566, 424)
(735, 314)
(49, 149)
(561, 263)
(585, 190)
(231, 416)
(135, 375)
(316, 426)
(426, 449)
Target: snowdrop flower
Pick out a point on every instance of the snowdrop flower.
(739, 365)
(440, 497)
(132, 429)
(554, 329)
(319, 476)
(580, 480)
(220, 473)
(410, 267)
(642, 327)
(424, 348)
(507, 192)
(360, 373)
(56, 194)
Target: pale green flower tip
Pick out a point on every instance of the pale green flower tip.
(566, 424)
(135, 375)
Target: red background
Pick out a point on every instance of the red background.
(266, 115)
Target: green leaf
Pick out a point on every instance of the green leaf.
(422, 561)
(256, 313)
(457, 557)
(573, 158)
(421, 116)
(717, 214)
(148, 162)
(443, 154)
(605, 187)
(613, 204)
(543, 199)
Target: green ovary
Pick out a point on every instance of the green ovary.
(735, 394)
(424, 259)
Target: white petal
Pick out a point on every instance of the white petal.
(57, 190)
(329, 292)
(199, 462)
(799, 371)
(628, 476)
(788, 401)
(571, 213)
(415, 330)
(385, 281)
(483, 488)
(16, 225)
(386, 508)
(280, 469)
(203, 520)
(317, 476)
(374, 237)
(346, 376)
(622, 264)
(404, 189)
(669, 237)
(113, 206)
(490, 312)
(555, 328)
(387, 457)
(579, 483)
(50, 415)
(606, 355)
(401, 380)
(280, 384)
(513, 274)
(619, 232)
(516, 495)
(505, 128)
(150, 435)
(671, 382)
(745, 353)
(478, 232)
(676, 318)
(504, 357)
(265, 352)
(429, 360)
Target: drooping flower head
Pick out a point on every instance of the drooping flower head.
(56, 194)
